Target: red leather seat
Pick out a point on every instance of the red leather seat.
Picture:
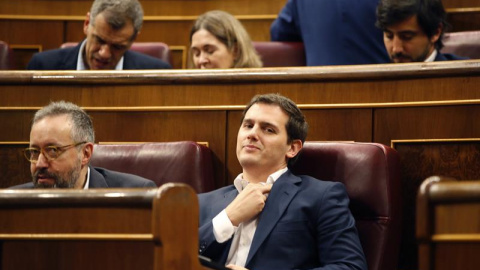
(370, 172)
(465, 44)
(158, 50)
(281, 54)
(6, 56)
(183, 162)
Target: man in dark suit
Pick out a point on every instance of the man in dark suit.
(61, 145)
(110, 27)
(413, 30)
(270, 218)
(334, 32)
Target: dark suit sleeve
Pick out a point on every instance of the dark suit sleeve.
(34, 63)
(208, 245)
(285, 27)
(337, 240)
(149, 184)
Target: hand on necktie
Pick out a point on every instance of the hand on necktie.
(248, 204)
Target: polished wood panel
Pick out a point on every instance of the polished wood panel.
(99, 229)
(169, 8)
(14, 167)
(151, 7)
(449, 4)
(464, 20)
(416, 130)
(448, 224)
(46, 34)
(422, 158)
(391, 104)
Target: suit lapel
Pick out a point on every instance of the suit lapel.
(70, 59)
(228, 197)
(440, 57)
(282, 193)
(96, 179)
(128, 61)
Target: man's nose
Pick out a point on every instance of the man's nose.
(105, 51)
(253, 133)
(42, 161)
(397, 45)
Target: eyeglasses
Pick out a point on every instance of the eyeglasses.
(49, 152)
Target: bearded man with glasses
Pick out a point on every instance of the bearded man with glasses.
(61, 145)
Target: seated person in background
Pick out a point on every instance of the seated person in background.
(333, 32)
(218, 40)
(413, 30)
(61, 145)
(111, 27)
(269, 218)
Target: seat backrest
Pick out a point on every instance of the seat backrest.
(370, 173)
(184, 162)
(465, 44)
(281, 54)
(158, 50)
(6, 55)
(448, 224)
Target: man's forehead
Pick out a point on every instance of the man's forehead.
(54, 123)
(409, 24)
(264, 112)
(103, 30)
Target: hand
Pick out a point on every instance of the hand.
(236, 267)
(248, 204)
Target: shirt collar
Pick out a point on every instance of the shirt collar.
(241, 183)
(87, 182)
(81, 64)
(432, 56)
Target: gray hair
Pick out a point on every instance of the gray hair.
(82, 129)
(117, 12)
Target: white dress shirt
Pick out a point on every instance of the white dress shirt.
(432, 56)
(87, 182)
(223, 228)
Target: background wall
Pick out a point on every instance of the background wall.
(30, 26)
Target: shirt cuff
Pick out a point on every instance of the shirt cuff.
(223, 228)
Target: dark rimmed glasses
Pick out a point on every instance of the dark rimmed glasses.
(49, 152)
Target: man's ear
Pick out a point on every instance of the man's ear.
(437, 34)
(86, 23)
(87, 153)
(295, 147)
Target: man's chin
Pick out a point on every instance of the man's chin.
(98, 65)
(402, 60)
(45, 183)
(42, 185)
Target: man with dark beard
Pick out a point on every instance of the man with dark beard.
(413, 30)
(61, 145)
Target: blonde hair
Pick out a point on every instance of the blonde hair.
(228, 30)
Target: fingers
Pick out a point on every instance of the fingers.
(235, 267)
(265, 188)
(248, 204)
